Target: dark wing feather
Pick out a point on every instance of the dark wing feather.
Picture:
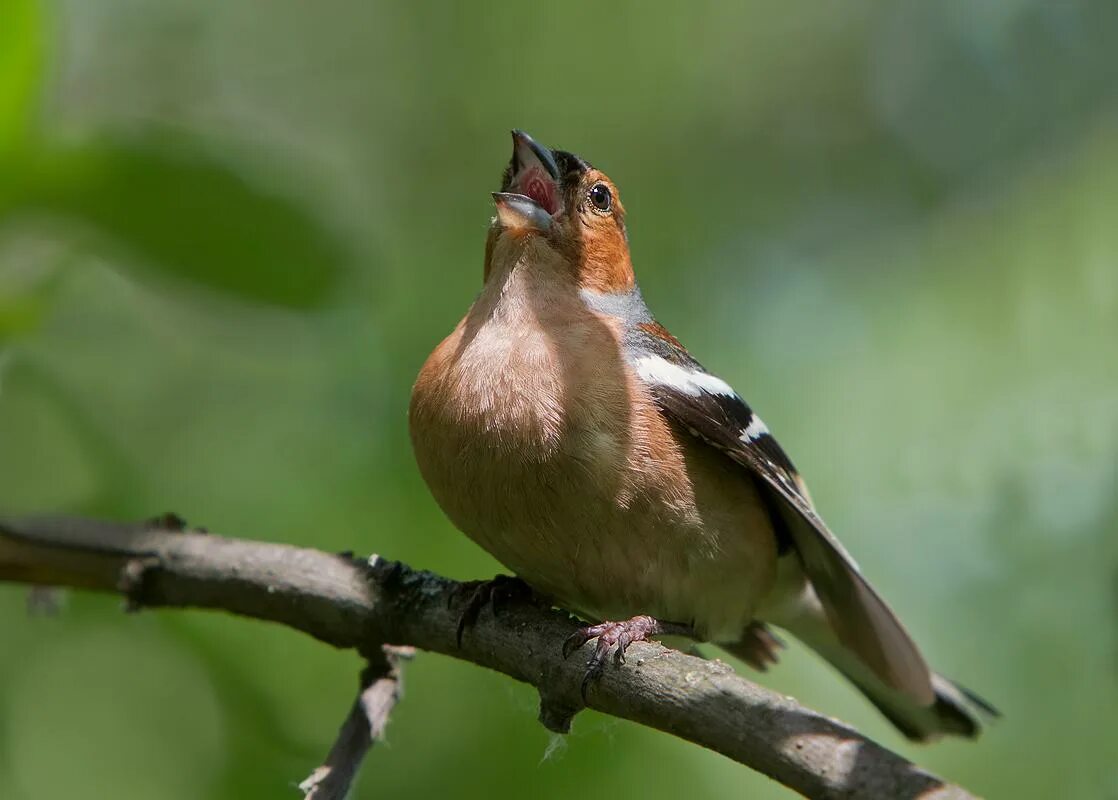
(861, 619)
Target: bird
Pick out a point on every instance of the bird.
(573, 437)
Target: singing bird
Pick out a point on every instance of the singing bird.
(568, 433)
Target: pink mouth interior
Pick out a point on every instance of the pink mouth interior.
(535, 183)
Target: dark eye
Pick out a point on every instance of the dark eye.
(600, 197)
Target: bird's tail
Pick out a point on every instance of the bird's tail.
(954, 711)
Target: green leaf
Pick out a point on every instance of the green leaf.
(22, 54)
(171, 209)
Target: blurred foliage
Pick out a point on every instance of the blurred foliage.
(178, 211)
(229, 237)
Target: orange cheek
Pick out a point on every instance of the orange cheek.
(606, 266)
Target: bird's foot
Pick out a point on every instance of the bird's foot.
(758, 647)
(498, 592)
(617, 636)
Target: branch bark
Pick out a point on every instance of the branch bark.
(351, 603)
(379, 693)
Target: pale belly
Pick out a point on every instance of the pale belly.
(607, 553)
(573, 480)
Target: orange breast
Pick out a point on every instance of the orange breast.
(540, 443)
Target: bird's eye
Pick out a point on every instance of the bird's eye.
(601, 197)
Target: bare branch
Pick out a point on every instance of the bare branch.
(352, 604)
(380, 690)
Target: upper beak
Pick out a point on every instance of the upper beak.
(516, 211)
(526, 152)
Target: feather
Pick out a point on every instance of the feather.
(707, 408)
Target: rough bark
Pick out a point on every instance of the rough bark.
(354, 603)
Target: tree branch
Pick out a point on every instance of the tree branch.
(380, 690)
(355, 604)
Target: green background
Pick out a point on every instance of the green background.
(231, 232)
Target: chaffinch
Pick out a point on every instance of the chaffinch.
(573, 437)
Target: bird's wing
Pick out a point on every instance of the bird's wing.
(711, 410)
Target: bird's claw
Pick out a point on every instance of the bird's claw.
(758, 647)
(575, 641)
(616, 636)
(498, 592)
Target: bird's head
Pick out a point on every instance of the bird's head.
(558, 201)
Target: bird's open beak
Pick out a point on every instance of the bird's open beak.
(528, 155)
(532, 193)
(517, 212)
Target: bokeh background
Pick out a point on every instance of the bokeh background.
(231, 232)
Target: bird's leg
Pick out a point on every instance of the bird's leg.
(758, 646)
(618, 636)
(498, 591)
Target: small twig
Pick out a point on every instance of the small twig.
(352, 604)
(381, 688)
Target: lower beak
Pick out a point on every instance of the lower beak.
(518, 212)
